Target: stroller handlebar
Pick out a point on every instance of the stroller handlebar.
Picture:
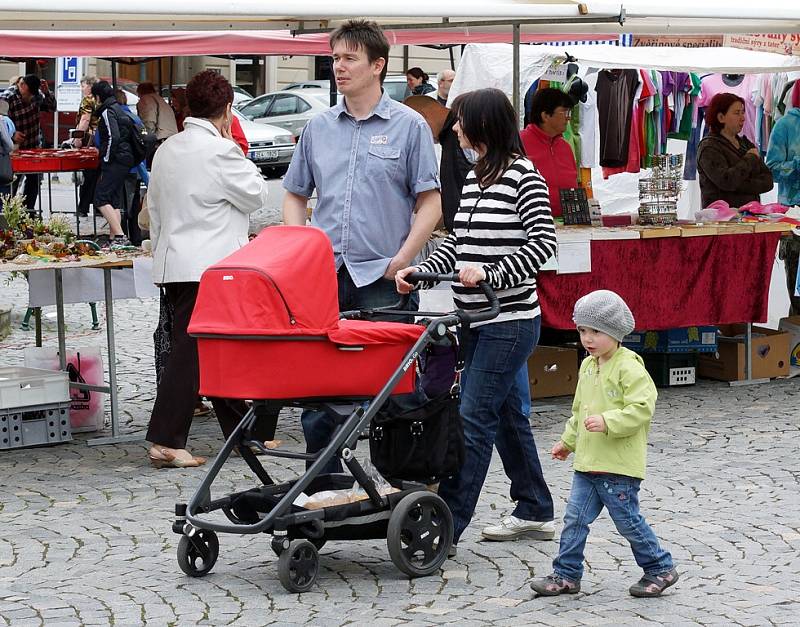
(435, 277)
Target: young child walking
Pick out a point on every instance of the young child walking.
(607, 431)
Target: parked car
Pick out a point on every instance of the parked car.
(271, 147)
(289, 109)
(394, 84)
(239, 95)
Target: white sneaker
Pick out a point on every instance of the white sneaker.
(512, 527)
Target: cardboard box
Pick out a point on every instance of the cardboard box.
(769, 355)
(702, 339)
(553, 371)
(792, 326)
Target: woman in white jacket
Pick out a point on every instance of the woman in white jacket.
(202, 190)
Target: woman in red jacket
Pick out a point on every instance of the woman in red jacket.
(545, 146)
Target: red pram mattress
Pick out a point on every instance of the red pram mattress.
(266, 319)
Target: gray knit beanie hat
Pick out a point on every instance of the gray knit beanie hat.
(604, 311)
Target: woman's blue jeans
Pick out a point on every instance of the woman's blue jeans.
(491, 406)
(620, 496)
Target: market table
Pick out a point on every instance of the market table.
(49, 160)
(676, 277)
(671, 282)
(106, 264)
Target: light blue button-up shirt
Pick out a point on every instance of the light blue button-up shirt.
(367, 174)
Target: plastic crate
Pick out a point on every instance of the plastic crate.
(23, 387)
(35, 425)
(671, 369)
(702, 339)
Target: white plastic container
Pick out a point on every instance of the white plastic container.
(23, 387)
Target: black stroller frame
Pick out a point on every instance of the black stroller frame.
(416, 522)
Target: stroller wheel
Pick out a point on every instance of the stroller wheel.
(420, 533)
(198, 554)
(298, 566)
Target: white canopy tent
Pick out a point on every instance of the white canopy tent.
(489, 65)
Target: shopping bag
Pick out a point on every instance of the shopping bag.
(84, 365)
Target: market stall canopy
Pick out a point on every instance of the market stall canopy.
(297, 15)
(145, 44)
(489, 65)
(550, 16)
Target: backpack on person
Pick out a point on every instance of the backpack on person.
(143, 143)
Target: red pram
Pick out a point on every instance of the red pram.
(268, 329)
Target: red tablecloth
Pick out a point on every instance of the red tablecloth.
(671, 282)
(54, 160)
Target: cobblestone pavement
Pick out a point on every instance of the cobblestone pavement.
(86, 533)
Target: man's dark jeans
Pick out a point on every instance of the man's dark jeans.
(318, 427)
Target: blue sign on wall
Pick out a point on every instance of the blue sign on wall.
(69, 70)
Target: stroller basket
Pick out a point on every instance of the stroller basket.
(268, 329)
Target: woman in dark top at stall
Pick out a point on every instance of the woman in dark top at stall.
(729, 165)
(418, 82)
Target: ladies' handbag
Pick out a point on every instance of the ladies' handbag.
(423, 440)
(422, 444)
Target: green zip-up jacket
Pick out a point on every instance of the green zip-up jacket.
(623, 392)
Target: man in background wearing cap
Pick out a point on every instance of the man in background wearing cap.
(25, 102)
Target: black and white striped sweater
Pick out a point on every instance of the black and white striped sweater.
(507, 229)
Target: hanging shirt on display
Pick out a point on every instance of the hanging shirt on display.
(714, 84)
(615, 92)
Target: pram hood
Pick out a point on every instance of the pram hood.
(281, 283)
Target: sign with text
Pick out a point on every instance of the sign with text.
(68, 85)
(678, 41)
(781, 43)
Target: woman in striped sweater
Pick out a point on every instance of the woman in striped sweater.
(503, 233)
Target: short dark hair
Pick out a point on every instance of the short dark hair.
(103, 90)
(145, 88)
(487, 118)
(417, 72)
(363, 34)
(208, 93)
(720, 103)
(547, 100)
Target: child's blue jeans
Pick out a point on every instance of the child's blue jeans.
(620, 496)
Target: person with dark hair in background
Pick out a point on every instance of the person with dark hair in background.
(137, 175)
(545, 145)
(26, 99)
(87, 122)
(502, 234)
(116, 133)
(378, 200)
(418, 82)
(729, 166)
(202, 191)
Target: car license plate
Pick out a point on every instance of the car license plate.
(263, 155)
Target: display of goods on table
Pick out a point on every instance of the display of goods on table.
(658, 195)
(28, 240)
(54, 160)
